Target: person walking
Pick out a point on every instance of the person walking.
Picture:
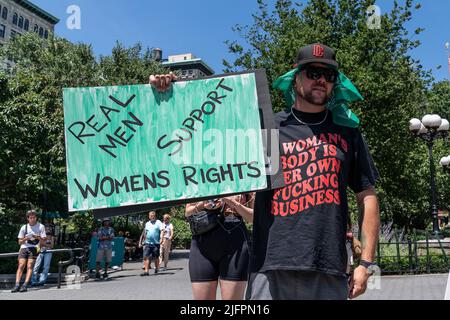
(167, 241)
(153, 238)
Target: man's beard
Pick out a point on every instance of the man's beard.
(318, 101)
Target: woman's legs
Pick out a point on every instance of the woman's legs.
(204, 290)
(165, 252)
(232, 290)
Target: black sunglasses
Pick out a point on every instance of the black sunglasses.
(315, 73)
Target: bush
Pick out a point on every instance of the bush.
(391, 265)
(182, 232)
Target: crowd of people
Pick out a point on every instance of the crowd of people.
(37, 240)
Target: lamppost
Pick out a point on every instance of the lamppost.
(431, 128)
(445, 163)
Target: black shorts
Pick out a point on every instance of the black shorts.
(151, 250)
(28, 253)
(220, 254)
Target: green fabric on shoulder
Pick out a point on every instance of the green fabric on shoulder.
(344, 92)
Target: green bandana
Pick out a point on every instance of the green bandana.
(344, 92)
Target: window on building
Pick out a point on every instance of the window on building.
(5, 13)
(190, 71)
(46, 34)
(41, 32)
(26, 25)
(15, 17)
(36, 28)
(20, 24)
(2, 30)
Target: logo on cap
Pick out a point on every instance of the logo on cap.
(318, 51)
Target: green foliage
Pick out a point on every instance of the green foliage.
(436, 263)
(32, 161)
(394, 85)
(83, 222)
(182, 232)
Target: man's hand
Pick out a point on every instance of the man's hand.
(358, 282)
(162, 82)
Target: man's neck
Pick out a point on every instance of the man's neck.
(304, 106)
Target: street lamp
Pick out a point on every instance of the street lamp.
(431, 128)
(445, 163)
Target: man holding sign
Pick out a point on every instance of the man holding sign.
(322, 153)
(299, 230)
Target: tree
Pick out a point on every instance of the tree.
(379, 63)
(32, 161)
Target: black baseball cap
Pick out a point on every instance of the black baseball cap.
(316, 52)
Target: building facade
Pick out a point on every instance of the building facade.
(190, 66)
(20, 16)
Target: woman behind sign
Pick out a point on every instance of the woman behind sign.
(222, 254)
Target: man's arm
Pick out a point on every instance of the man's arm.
(21, 237)
(370, 226)
(370, 223)
(141, 238)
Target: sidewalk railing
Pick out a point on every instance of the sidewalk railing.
(61, 263)
(411, 255)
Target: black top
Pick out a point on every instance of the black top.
(303, 225)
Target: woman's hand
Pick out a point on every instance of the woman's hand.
(231, 202)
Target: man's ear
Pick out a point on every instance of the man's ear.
(298, 83)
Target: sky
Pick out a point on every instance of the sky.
(201, 26)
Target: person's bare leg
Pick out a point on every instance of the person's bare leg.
(157, 263)
(204, 290)
(146, 264)
(30, 266)
(232, 290)
(21, 266)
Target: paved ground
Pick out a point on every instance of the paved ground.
(174, 284)
(417, 287)
(127, 284)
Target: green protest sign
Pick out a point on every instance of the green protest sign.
(131, 145)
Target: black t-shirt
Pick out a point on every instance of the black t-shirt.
(303, 225)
